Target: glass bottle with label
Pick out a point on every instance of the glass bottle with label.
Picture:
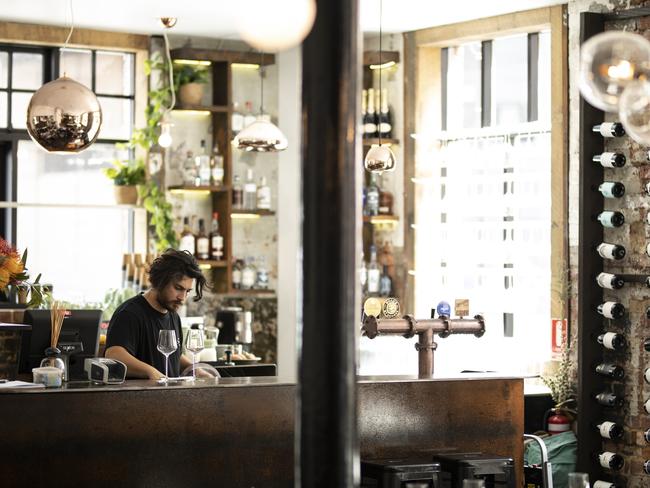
(372, 197)
(370, 119)
(250, 191)
(237, 119)
(364, 111)
(216, 167)
(374, 272)
(188, 240)
(216, 239)
(236, 274)
(385, 120)
(189, 169)
(262, 281)
(385, 283)
(237, 194)
(385, 201)
(203, 166)
(263, 195)
(202, 242)
(248, 275)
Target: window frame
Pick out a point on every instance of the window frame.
(423, 68)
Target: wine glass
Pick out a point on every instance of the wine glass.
(167, 345)
(578, 480)
(194, 343)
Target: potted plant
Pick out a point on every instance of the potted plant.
(126, 176)
(190, 80)
(562, 392)
(13, 272)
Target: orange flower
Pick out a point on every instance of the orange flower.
(13, 265)
(4, 278)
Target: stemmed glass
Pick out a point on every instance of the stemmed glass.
(578, 480)
(194, 343)
(167, 345)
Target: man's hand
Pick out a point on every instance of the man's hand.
(155, 375)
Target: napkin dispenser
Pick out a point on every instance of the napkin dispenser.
(105, 370)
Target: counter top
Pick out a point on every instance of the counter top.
(11, 326)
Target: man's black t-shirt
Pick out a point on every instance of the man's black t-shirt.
(135, 326)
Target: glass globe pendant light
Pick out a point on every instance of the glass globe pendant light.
(64, 116)
(261, 135)
(379, 158)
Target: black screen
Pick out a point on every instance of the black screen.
(78, 326)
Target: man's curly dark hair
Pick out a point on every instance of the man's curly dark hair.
(173, 265)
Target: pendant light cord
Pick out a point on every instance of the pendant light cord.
(170, 70)
(67, 40)
(262, 85)
(380, 70)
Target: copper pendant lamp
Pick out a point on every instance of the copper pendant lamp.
(64, 116)
(380, 158)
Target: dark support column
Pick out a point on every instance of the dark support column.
(326, 441)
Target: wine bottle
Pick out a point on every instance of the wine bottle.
(263, 195)
(646, 436)
(612, 340)
(610, 159)
(364, 111)
(611, 251)
(188, 240)
(202, 242)
(646, 375)
(370, 120)
(216, 239)
(646, 406)
(385, 122)
(646, 466)
(611, 219)
(611, 310)
(647, 185)
(605, 484)
(609, 400)
(611, 371)
(646, 345)
(610, 129)
(610, 430)
(647, 249)
(610, 281)
(611, 460)
(612, 189)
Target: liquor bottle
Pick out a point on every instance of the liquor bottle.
(189, 170)
(262, 279)
(610, 129)
(385, 202)
(385, 122)
(236, 274)
(610, 281)
(237, 120)
(188, 240)
(369, 121)
(611, 251)
(372, 197)
(202, 162)
(612, 340)
(364, 111)
(263, 195)
(237, 194)
(611, 310)
(363, 274)
(250, 191)
(611, 219)
(249, 116)
(612, 189)
(605, 484)
(610, 159)
(609, 400)
(611, 460)
(610, 370)
(385, 283)
(374, 273)
(216, 166)
(202, 242)
(216, 239)
(610, 430)
(248, 275)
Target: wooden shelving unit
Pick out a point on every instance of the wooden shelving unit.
(375, 142)
(212, 263)
(220, 109)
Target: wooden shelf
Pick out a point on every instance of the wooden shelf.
(203, 108)
(213, 263)
(375, 142)
(251, 293)
(221, 56)
(211, 189)
(386, 222)
(261, 213)
(372, 57)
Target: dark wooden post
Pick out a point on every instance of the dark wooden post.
(327, 443)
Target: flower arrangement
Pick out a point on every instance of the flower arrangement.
(13, 271)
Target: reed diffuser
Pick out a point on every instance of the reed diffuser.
(57, 313)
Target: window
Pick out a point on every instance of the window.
(61, 208)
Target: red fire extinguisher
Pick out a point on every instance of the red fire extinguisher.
(558, 423)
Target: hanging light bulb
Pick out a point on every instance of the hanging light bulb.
(262, 135)
(379, 158)
(608, 63)
(634, 111)
(277, 25)
(64, 116)
(165, 137)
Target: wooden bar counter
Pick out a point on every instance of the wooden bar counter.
(236, 432)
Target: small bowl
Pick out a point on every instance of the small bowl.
(49, 376)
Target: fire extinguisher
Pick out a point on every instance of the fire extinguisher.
(558, 423)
